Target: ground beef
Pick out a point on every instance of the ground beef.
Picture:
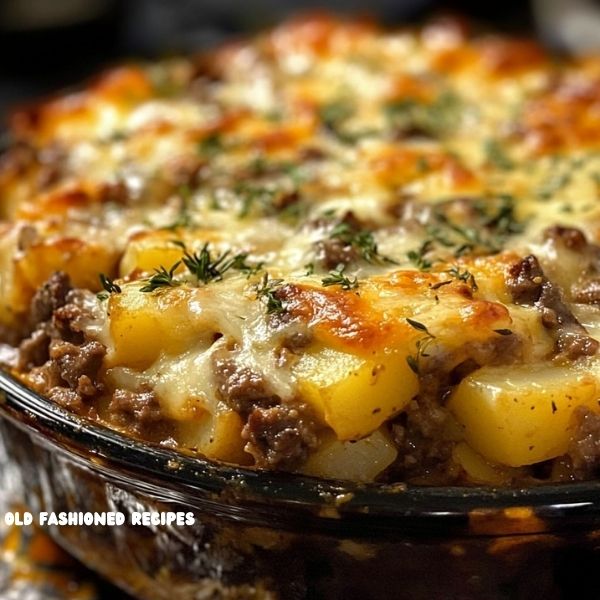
(239, 387)
(333, 252)
(529, 286)
(420, 432)
(571, 237)
(280, 437)
(586, 290)
(68, 320)
(33, 351)
(10, 335)
(78, 366)
(70, 400)
(136, 411)
(424, 452)
(54, 356)
(583, 455)
(50, 296)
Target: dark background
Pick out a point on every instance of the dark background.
(49, 44)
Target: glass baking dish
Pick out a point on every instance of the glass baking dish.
(273, 536)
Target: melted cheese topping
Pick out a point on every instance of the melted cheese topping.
(377, 186)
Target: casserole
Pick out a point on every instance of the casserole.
(331, 251)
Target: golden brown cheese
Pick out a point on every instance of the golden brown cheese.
(313, 238)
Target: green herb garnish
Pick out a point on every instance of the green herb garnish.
(361, 240)
(414, 361)
(334, 114)
(434, 120)
(496, 155)
(207, 267)
(417, 257)
(184, 218)
(266, 292)
(337, 277)
(464, 276)
(210, 146)
(162, 278)
(109, 285)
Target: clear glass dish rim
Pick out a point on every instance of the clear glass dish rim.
(190, 476)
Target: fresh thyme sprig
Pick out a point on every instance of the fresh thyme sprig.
(490, 226)
(252, 195)
(464, 276)
(266, 292)
(418, 257)
(337, 277)
(110, 287)
(361, 240)
(162, 278)
(207, 267)
(414, 361)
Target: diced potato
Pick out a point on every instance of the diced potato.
(358, 461)
(81, 260)
(520, 416)
(23, 271)
(217, 436)
(144, 324)
(14, 292)
(354, 395)
(479, 470)
(149, 251)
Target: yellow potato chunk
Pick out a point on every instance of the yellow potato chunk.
(359, 461)
(81, 260)
(217, 436)
(144, 324)
(149, 251)
(520, 416)
(479, 470)
(354, 395)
